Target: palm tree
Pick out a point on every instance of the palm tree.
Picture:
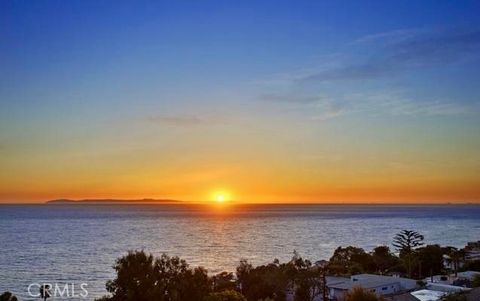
(405, 242)
(456, 256)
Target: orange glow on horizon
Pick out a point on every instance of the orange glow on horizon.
(221, 196)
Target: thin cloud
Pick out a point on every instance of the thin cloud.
(393, 35)
(323, 107)
(184, 120)
(400, 51)
(393, 103)
(396, 104)
(330, 113)
(389, 53)
(299, 99)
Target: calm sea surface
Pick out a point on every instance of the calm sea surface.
(79, 243)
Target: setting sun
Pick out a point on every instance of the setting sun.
(221, 196)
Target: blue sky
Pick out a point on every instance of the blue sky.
(239, 81)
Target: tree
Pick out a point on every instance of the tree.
(405, 242)
(223, 281)
(476, 281)
(383, 259)
(455, 257)
(361, 294)
(136, 278)
(7, 296)
(309, 280)
(228, 295)
(265, 281)
(351, 260)
(455, 297)
(472, 265)
(140, 277)
(430, 260)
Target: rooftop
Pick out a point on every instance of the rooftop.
(334, 279)
(446, 288)
(402, 297)
(467, 274)
(428, 295)
(374, 276)
(365, 283)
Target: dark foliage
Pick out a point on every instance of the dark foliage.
(384, 260)
(361, 294)
(455, 297)
(223, 281)
(472, 266)
(455, 257)
(228, 295)
(476, 281)
(7, 296)
(351, 260)
(308, 281)
(266, 281)
(429, 261)
(406, 241)
(140, 277)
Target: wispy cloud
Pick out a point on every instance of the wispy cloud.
(293, 98)
(184, 120)
(398, 51)
(377, 57)
(393, 103)
(321, 106)
(329, 112)
(396, 103)
(390, 36)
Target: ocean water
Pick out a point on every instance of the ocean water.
(79, 243)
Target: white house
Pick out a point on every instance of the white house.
(446, 288)
(378, 284)
(468, 275)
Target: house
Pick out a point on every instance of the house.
(331, 280)
(467, 275)
(462, 278)
(378, 284)
(472, 250)
(435, 292)
(380, 287)
(440, 287)
(443, 279)
(406, 284)
(448, 263)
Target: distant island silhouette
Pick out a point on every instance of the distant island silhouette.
(111, 201)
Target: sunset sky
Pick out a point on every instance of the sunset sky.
(268, 101)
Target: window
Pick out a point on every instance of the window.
(385, 288)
